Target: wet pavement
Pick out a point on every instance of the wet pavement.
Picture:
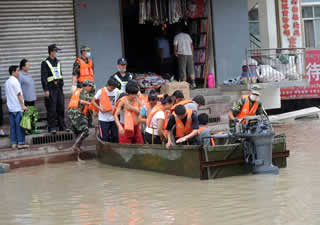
(95, 194)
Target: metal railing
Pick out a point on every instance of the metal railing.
(254, 41)
(275, 65)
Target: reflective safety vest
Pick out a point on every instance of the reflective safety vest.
(181, 128)
(245, 110)
(86, 70)
(154, 110)
(211, 139)
(183, 102)
(122, 83)
(104, 102)
(74, 101)
(55, 71)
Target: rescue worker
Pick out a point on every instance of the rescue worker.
(247, 105)
(204, 131)
(52, 84)
(182, 127)
(129, 109)
(157, 122)
(82, 68)
(122, 76)
(78, 113)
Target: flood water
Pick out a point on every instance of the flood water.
(95, 194)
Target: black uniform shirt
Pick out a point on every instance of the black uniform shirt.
(46, 72)
(126, 78)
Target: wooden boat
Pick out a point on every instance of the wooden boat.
(189, 161)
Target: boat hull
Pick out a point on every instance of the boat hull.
(188, 161)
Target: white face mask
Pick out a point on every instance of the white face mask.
(88, 54)
(254, 97)
(121, 71)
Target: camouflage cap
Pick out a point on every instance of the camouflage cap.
(88, 83)
(255, 89)
(85, 48)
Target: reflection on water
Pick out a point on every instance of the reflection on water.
(92, 193)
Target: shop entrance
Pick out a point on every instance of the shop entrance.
(148, 36)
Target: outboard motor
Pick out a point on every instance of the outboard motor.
(258, 136)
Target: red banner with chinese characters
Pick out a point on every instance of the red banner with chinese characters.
(312, 73)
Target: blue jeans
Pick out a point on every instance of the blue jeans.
(17, 135)
(108, 131)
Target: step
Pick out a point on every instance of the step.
(291, 116)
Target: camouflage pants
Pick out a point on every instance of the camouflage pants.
(79, 122)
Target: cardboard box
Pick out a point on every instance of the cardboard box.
(170, 87)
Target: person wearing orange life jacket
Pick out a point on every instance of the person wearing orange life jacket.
(204, 131)
(247, 105)
(157, 121)
(179, 99)
(82, 68)
(128, 124)
(78, 113)
(147, 107)
(105, 100)
(182, 127)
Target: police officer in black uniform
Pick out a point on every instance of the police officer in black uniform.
(122, 76)
(52, 84)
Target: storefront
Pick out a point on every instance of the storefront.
(28, 27)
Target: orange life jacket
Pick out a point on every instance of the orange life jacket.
(104, 101)
(86, 71)
(143, 99)
(202, 129)
(245, 110)
(74, 101)
(183, 102)
(154, 110)
(184, 129)
(130, 118)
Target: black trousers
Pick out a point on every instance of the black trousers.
(108, 131)
(148, 138)
(55, 108)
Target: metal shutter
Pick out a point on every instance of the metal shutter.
(27, 27)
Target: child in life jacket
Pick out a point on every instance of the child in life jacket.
(128, 124)
(204, 131)
(183, 127)
(105, 100)
(157, 121)
(146, 108)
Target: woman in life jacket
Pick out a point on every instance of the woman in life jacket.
(147, 107)
(128, 125)
(157, 122)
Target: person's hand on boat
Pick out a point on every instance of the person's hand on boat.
(169, 144)
(181, 140)
(236, 120)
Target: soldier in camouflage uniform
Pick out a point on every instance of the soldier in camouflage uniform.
(79, 121)
(244, 106)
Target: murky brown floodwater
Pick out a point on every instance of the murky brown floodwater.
(96, 194)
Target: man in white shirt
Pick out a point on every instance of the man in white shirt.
(183, 49)
(108, 129)
(16, 107)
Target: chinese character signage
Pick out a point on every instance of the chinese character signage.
(290, 23)
(312, 73)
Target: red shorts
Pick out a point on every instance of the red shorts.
(131, 137)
